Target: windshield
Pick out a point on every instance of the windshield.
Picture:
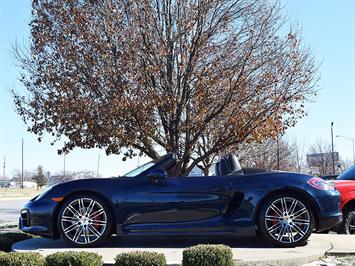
(139, 170)
(348, 174)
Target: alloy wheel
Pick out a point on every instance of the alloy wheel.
(287, 220)
(84, 221)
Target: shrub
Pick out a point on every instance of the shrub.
(72, 258)
(140, 258)
(8, 239)
(21, 259)
(207, 255)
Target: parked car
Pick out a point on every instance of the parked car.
(348, 174)
(345, 184)
(4, 184)
(283, 207)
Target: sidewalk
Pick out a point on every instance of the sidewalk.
(342, 245)
(246, 252)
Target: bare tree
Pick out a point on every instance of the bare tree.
(264, 155)
(300, 163)
(344, 165)
(321, 162)
(150, 75)
(27, 175)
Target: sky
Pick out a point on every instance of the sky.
(328, 29)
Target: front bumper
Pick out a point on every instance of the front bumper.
(37, 217)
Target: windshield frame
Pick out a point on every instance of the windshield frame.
(160, 162)
(140, 169)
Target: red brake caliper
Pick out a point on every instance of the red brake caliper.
(274, 222)
(98, 219)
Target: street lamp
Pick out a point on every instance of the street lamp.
(353, 141)
(333, 161)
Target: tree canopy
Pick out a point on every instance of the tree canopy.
(193, 77)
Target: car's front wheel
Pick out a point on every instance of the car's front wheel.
(84, 220)
(286, 220)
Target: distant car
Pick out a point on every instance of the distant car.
(283, 207)
(348, 174)
(5, 184)
(345, 184)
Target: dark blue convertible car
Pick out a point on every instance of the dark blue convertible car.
(283, 207)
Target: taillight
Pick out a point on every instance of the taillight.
(319, 183)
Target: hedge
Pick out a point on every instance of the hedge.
(8, 239)
(208, 255)
(21, 259)
(73, 258)
(140, 258)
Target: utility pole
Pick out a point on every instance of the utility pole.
(22, 165)
(333, 160)
(278, 152)
(64, 166)
(98, 166)
(3, 170)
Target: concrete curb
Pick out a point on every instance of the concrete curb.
(248, 252)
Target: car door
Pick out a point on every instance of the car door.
(175, 201)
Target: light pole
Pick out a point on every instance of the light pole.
(278, 152)
(64, 165)
(353, 141)
(22, 164)
(333, 161)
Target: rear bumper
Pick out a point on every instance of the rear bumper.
(329, 213)
(329, 222)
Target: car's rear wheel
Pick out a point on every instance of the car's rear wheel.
(348, 224)
(84, 220)
(286, 220)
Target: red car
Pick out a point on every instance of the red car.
(345, 184)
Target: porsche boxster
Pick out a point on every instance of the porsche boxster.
(283, 207)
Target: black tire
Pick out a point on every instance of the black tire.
(348, 224)
(85, 220)
(283, 227)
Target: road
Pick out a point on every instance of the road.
(10, 210)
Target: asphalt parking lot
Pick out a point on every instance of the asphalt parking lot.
(10, 210)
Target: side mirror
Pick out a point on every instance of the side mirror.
(157, 174)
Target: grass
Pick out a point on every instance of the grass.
(6, 193)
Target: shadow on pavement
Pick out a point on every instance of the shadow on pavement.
(156, 242)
